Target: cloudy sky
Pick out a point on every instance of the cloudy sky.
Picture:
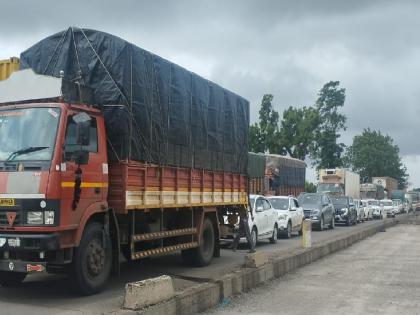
(287, 48)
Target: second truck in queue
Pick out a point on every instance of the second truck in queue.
(339, 181)
(107, 148)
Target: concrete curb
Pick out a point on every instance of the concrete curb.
(201, 297)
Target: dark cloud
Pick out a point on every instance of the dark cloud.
(287, 48)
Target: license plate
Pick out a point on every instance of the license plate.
(7, 202)
(14, 242)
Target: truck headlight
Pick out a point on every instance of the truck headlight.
(49, 217)
(35, 217)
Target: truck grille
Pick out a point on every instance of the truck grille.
(3, 218)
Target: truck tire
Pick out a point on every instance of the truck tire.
(202, 255)
(92, 260)
(11, 279)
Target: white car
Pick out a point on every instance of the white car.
(399, 207)
(368, 210)
(388, 207)
(378, 210)
(264, 225)
(359, 209)
(289, 215)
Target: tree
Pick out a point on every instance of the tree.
(310, 187)
(297, 130)
(264, 135)
(255, 139)
(373, 154)
(326, 151)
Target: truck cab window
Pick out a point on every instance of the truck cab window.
(70, 140)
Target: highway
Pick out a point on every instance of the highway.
(376, 276)
(51, 294)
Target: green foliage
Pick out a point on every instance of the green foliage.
(373, 154)
(310, 187)
(255, 139)
(264, 135)
(326, 151)
(297, 130)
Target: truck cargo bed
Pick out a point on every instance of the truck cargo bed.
(134, 185)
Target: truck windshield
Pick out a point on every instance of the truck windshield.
(330, 188)
(28, 133)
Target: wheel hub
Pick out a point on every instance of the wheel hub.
(95, 257)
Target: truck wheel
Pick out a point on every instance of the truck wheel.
(92, 260)
(202, 255)
(11, 279)
(273, 239)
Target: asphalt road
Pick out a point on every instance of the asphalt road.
(51, 294)
(377, 276)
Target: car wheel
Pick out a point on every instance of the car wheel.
(301, 228)
(321, 223)
(348, 221)
(273, 239)
(288, 230)
(254, 236)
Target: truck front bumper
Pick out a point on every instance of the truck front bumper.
(29, 242)
(26, 252)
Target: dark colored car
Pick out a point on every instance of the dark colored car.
(345, 210)
(318, 208)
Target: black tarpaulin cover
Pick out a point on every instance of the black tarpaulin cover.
(170, 116)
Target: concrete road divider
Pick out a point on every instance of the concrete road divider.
(256, 260)
(203, 296)
(148, 292)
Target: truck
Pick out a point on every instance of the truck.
(412, 200)
(258, 182)
(286, 175)
(276, 174)
(339, 181)
(106, 148)
(7, 66)
(371, 191)
(388, 183)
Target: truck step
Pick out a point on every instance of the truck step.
(162, 250)
(163, 234)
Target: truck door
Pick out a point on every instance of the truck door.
(93, 185)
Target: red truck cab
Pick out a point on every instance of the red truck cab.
(52, 181)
